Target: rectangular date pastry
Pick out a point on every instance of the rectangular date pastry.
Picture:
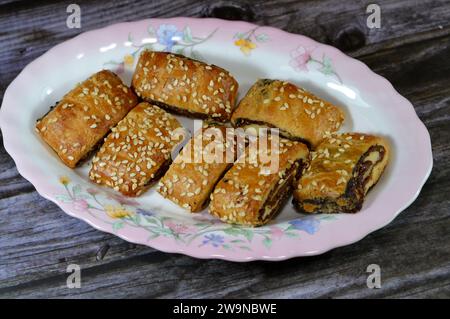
(343, 168)
(185, 86)
(251, 193)
(297, 113)
(199, 166)
(137, 152)
(75, 126)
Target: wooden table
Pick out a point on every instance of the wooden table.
(411, 49)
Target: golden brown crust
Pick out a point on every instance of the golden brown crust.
(85, 115)
(298, 114)
(185, 86)
(137, 151)
(251, 193)
(342, 170)
(199, 166)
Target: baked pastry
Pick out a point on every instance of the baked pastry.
(185, 86)
(75, 126)
(137, 152)
(199, 166)
(252, 192)
(342, 170)
(297, 113)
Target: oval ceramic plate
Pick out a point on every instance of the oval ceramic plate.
(249, 52)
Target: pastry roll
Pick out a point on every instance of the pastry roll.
(252, 192)
(75, 126)
(199, 166)
(137, 152)
(342, 170)
(297, 113)
(185, 86)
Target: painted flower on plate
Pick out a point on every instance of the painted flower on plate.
(213, 239)
(308, 224)
(117, 212)
(64, 180)
(168, 35)
(178, 228)
(128, 60)
(144, 212)
(276, 232)
(245, 45)
(80, 205)
(300, 58)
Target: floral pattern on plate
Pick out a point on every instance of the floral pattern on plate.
(247, 41)
(120, 212)
(302, 59)
(165, 37)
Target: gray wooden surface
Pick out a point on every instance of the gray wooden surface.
(412, 50)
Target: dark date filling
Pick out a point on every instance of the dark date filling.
(353, 198)
(244, 122)
(159, 173)
(280, 193)
(187, 113)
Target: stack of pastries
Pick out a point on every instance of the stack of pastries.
(133, 134)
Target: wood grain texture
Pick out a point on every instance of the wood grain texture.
(412, 50)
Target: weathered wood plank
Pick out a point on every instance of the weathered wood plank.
(39, 240)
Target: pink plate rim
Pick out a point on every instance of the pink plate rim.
(351, 70)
